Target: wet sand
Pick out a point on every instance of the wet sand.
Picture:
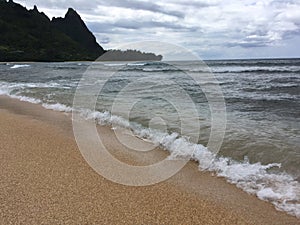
(45, 180)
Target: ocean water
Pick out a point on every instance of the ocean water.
(260, 152)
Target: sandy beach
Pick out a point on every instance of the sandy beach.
(45, 180)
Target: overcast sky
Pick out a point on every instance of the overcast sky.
(214, 29)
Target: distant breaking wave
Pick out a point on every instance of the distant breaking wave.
(19, 66)
(259, 70)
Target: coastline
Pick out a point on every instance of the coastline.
(44, 179)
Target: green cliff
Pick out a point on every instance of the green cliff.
(29, 35)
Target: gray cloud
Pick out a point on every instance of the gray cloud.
(142, 5)
(61, 4)
(195, 3)
(90, 5)
(136, 25)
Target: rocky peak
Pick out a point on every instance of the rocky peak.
(35, 8)
(74, 27)
(71, 12)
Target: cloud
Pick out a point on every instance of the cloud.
(195, 3)
(143, 5)
(92, 5)
(211, 26)
(139, 25)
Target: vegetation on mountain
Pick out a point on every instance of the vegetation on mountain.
(29, 35)
(129, 55)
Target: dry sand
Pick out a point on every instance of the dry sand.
(45, 180)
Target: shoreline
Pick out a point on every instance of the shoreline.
(46, 180)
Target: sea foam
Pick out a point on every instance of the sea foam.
(57, 107)
(280, 189)
(19, 66)
(26, 99)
